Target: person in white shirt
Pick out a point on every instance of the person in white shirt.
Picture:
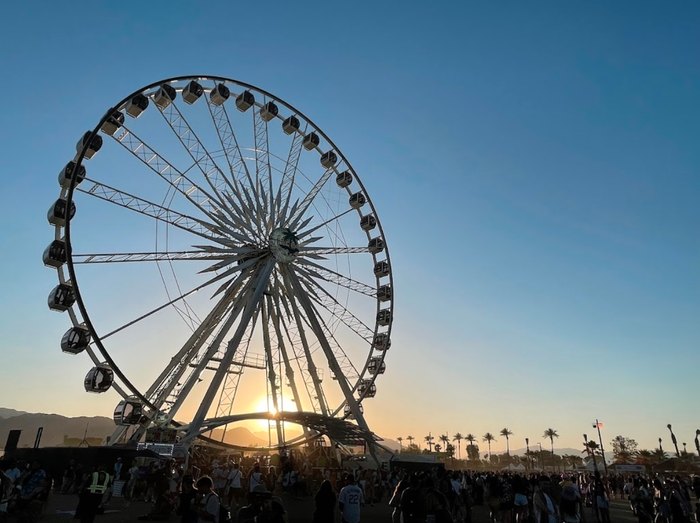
(209, 503)
(350, 500)
(235, 487)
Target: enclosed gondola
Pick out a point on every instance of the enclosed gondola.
(91, 148)
(55, 254)
(99, 379)
(68, 172)
(136, 105)
(128, 411)
(75, 340)
(61, 298)
(164, 96)
(192, 91)
(219, 94)
(245, 101)
(59, 212)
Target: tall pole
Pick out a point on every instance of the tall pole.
(527, 450)
(602, 451)
(697, 441)
(674, 440)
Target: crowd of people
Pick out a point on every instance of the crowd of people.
(248, 490)
(449, 497)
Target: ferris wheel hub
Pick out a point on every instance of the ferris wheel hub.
(284, 245)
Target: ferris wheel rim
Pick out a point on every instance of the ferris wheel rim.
(133, 390)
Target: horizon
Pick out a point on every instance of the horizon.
(534, 168)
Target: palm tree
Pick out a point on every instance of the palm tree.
(429, 441)
(410, 440)
(506, 433)
(551, 434)
(445, 440)
(488, 438)
(400, 440)
(458, 438)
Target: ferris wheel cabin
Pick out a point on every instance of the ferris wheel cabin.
(269, 111)
(55, 254)
(347, 411)
(384, 293)
(99, 379)
(344, 179)
(381, 341)
(192, 92)
(136, 105)
(376, 366)
(311, 141)
(367, 389)
(68, 172)
(381, 269)
(165, 95)
(384, 317)
(357, 200)
(219, 94)
(58, 212)
(245, 101)
(291, 125)
(329, 159)
(75, 340)
(112, 124)
(375, 245)
(128, 411)
(61, 297)
(92, 147)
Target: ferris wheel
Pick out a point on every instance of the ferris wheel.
(221, 262)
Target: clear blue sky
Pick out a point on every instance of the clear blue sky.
(536, 168)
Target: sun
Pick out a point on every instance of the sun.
(262, 405)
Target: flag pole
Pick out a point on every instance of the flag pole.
(602, 451)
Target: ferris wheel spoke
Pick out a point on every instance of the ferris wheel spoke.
(128, 257)
(349, 370)
(262, 163)
(317, 399)
(273, 307)
(305, 233)
(180, 297)
(275, 388)
(259, 282)
(290, 170)
(299, 212)
(330, 303)
(318, 271)
(147, 208)
(171, 375)
(316, 324)
(196, 150)
(178, 180)
(321, 252)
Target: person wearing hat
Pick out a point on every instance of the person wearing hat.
(209, 504)
(350, 500)
(262, 508)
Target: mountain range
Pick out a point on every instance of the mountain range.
(64, 431)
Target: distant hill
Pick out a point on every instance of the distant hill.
(61, 430)
(56, 428)
(9, 413)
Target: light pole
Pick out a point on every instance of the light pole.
(527, 450)
(597, 425)
(674, 440)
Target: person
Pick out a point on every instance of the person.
(570, 502)
(5, 490)
(545, 508)
(413, 502)
(395, 502)
(235, 487)
(350, 500)
(324, 511)
(255, 478)
(186, 506)
(209, 504)
(94, 487)
(118, 469)
(262, 508)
